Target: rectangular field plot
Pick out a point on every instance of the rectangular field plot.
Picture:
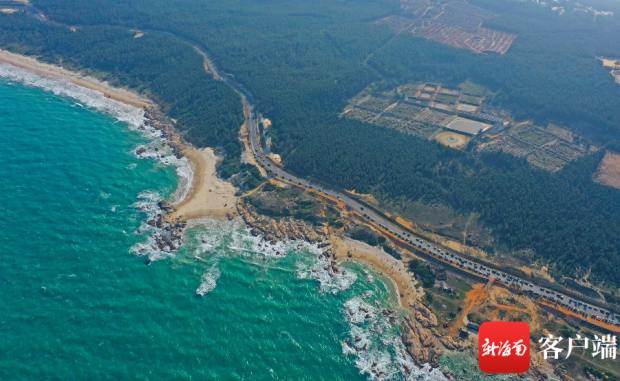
(511, 146)
(568, 152)
(434, 117)
(446, 98)
(443, 106)
(375, 104)
(393, 122)
(448, 91)
(361, 114)
(471, 99)
(534, 136)
(406, 110)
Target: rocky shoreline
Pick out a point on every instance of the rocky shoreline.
(422, 342)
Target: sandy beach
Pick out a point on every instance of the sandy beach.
(209, 196)
(380, 261)
(118, 94)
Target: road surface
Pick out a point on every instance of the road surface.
(451, 258)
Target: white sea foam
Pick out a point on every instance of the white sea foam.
(90, 98)
(208, 281)
(318, 269)
(132, 116)
(376, 344)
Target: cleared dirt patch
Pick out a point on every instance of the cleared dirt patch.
(452, 139)
(467, 108)
(609, 170)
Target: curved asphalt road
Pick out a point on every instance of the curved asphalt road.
(593, 314)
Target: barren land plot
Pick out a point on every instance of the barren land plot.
(447, 91)
(375, 104)
(609, 170)
(546, 160)
(467, 108)
(486, 40)
(535, 136)
(443, 106)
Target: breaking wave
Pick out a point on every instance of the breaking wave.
(374, 340)
(90, 98)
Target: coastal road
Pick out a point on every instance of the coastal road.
(593, 314)
(404, 237)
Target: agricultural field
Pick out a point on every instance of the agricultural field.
(360, 114)
(426, 108)
(406, 110)
(509, 145)
(566, 151)
(375, 104)
(548, 148)
(455, 23)
(421, 130)
(447, 99)
(560, 132)
(437, 118)
(532, 135)
(471, 99)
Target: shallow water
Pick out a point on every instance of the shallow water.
(77, 304)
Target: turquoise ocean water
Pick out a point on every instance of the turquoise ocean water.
(77, 304)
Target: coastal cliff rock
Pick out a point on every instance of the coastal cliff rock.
(418, 344)
(424, 315)
(286, 228)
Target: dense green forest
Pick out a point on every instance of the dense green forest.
(303, 60)
(160, 66)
